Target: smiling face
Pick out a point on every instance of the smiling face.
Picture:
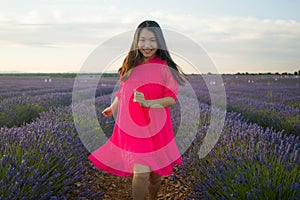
(147, 44)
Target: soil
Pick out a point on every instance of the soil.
(118, 188)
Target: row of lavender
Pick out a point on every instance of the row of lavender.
(46, 159)
(23, 98)
(15, 86)
(23, 86)
(270, 101)
(242, 144)
(247, 162)
(42, 159)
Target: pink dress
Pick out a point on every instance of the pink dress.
(142, 135)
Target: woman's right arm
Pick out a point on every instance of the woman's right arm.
(109, 111)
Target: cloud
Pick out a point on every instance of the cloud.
(242, 43)
(228, 40)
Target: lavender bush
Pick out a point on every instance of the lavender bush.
(248, 162)
(43, 159)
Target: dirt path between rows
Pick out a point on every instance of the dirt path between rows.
(118, 188)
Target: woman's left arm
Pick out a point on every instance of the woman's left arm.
(154, 103)
(162, 102)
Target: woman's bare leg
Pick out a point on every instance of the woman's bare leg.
(155, 181)
(140, 182)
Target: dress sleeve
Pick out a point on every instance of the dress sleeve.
(171, 85)
(118, 93)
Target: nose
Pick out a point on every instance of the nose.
(147, 44)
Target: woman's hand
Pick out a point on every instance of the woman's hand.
(140, 98)
(108, 112)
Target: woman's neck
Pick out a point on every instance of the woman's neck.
(145, 60)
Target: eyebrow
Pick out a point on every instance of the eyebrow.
(149, 38)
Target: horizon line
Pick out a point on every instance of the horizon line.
(208, 73)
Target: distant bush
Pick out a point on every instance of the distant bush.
(17, 111)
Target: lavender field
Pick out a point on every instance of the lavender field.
(256, 157)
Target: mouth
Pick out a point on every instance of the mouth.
(147, 51)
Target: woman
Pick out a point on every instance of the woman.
(142, 144)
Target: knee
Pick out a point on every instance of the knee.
(141, 172)
(154, 178)
(141, 176)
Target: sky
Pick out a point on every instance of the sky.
(238, 36)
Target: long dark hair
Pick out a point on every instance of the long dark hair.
(134, 56)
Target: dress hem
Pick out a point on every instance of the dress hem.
(162, 172)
